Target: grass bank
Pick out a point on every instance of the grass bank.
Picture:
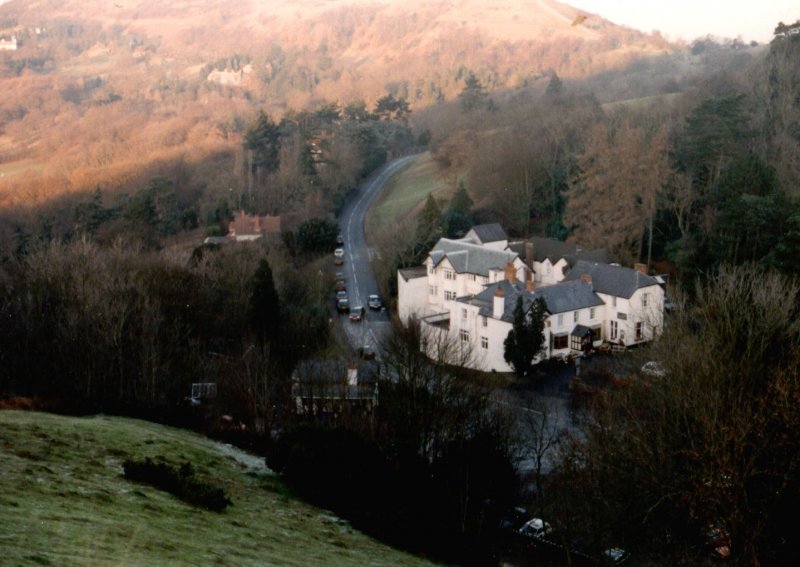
(404, 196)
(65, 502)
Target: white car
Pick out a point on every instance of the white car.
(536, 528)
(338, 253)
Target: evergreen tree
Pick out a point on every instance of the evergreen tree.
(473, 96)
(526, 337)
(265, 309)
(429, 222)
(263, 140)
(458, 217)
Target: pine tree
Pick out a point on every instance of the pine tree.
(265, 309)
(526, 337)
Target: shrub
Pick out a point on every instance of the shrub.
(178, 481)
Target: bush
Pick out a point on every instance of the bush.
(178, 481)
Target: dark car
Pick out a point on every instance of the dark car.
(340, 240)
(343, 306)
(375, 302)
(366, 352)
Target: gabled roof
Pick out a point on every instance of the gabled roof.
(413, 273)
(489, 233)
(559, 298)
(469, 258)
(555, 250)
(610, 279)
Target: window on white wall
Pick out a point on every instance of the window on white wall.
(484, 321)
(613, 302)
(639, 331)
(484, 342)
(591, 314)
(644, 299)
(449, 275)
(575, 316)
(463, 313)
(431, 269)
(614, 330)
(432, 289)
(560, 318)
(464, 334)
(449, 295)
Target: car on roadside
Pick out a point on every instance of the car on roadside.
(536, 528)
(616, 556)
(340, 240)
(375, 302)
(654, 369)
(718, 540)
(343, 306)
(340, 285)
(366, 352)
(356, 314)
(341, 294)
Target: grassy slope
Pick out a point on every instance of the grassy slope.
(405, 195)
(64, 502)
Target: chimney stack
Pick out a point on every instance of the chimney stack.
(529, 281)
(587, 278)
(511, 273)
(640, 268)
(499, 306)
(529, 254)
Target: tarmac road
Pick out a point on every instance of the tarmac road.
(358, 257)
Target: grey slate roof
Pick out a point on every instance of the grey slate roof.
(489, 232)
(544, 248)
(611, 280)
(559, 298)
(469, 258)
(413, 273)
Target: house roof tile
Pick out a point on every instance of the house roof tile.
(610, 279)
(467, 258)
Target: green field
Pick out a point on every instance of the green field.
(64, 501)
(405, 194)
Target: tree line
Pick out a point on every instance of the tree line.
(696, 179)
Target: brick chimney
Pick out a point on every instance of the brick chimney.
(511, 273)
(640, 268)
(529, 281)
(499, 306)
(587, 278)
(529, 255)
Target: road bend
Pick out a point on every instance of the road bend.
(361, 281)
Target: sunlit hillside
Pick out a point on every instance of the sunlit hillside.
(110, 93)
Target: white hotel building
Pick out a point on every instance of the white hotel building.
(467, 289)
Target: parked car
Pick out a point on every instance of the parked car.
(616, 556)
(340, 240)
(341, 294)
(366, 352)
(536, 528)
(653, 369)
(343, 306)
(718, 539)
(338, 253)
(340, 285)
(375, 302)
(356, 314)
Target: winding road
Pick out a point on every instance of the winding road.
(358, 257)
